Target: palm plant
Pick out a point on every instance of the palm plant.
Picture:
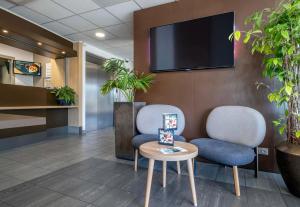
(275, 33)
(125, 80)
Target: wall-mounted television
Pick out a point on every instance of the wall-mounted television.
(195, 44)
(27, 68)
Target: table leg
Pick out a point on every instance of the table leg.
(164, 173)
(149, 181)
(178, 168)
(192, 180)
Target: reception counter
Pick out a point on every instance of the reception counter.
(8, 121)
(2, 108)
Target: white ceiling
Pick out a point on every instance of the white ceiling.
(79, 20)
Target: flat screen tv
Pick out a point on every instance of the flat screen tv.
(195, 44)
(27, 68)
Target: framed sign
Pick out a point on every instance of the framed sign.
(27, 68)
(170, 121)
(166, 136)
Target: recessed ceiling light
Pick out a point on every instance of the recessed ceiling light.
(100, 34)
(4, 31)
(63, 52)
(40, 44)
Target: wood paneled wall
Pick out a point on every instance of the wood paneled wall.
(198, 92)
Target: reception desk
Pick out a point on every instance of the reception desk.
(5, 108)
(25, 101)
(8, 121)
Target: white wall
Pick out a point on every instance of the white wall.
(18, 54)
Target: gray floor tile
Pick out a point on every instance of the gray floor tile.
(7, 181)
(207, 171)
(264, 198)
(280, 183)
(291, 201)
(66, 202)
(32, 196)
(4, 205)
(264, 181)
(115, 198)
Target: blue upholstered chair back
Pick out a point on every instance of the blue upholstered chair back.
(236, 124)
(150, 118)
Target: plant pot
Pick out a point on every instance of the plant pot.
(125, 127)
(62, 102)
(288, 160)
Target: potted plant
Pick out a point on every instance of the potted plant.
(64, 95)
(126, 82)
(275, 34)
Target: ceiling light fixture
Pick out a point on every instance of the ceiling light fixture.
(40, 44)
(63, 52)
(5, 31)
(100, 34)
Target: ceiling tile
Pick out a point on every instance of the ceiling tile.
(92, 34)
(78, 23)
(124, 11)
(77, 37)
(118, 42)
(30, 14)
(49, 8)
(121, 30)
(148, 3)
(59, 28)
(5, 4)
(125, 52)
(98, 44)
(101, 17)
(78, 6)
(105, 3)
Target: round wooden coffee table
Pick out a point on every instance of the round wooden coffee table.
(151, 150)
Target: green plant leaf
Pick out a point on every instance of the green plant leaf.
(285, 34)
(282, 129)
(298, 134)
(247, 38)
(276, 123)
(237, 35)
(288, 89)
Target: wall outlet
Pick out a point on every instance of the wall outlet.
(263, 151)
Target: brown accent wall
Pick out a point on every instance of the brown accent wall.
(198, 92)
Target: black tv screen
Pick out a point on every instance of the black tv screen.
(195, 44)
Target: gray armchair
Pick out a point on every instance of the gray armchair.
(149, 120)
(234, 134)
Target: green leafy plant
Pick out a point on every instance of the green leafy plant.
(124, 79)
(65, 93)
(275, 33)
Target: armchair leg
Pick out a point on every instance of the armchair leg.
(164, 174)
(236, 181)
(256, 163)
(136, 157)
(178, 168)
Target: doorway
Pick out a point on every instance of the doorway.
(98, 108)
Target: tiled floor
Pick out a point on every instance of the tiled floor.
(82, 171)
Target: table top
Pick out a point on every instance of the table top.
(151, 150)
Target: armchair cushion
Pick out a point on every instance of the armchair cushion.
(223, 152)
(140, 139)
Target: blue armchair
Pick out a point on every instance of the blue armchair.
(234, 134)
